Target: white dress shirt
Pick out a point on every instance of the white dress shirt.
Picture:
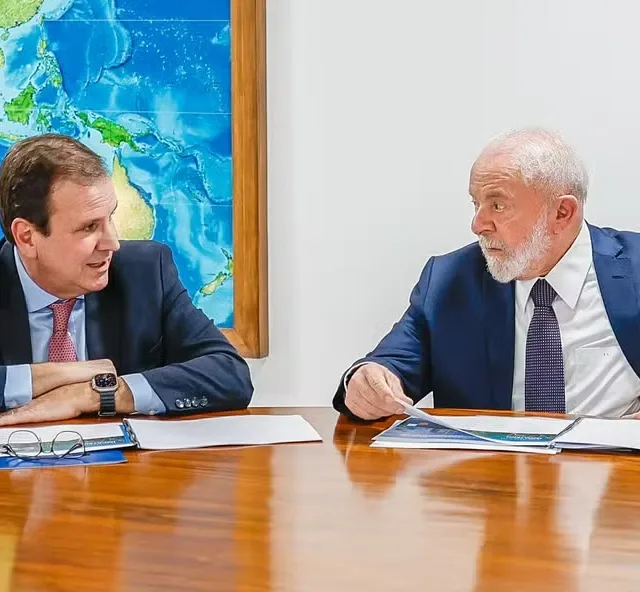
(598, 377)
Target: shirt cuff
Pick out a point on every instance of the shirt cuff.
(349, 373)
(18, 388)
(145, 399)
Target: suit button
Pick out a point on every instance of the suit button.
(204, 402)
(179, 403)
(195, 401)
(187, 403)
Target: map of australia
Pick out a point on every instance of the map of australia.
(147, 85)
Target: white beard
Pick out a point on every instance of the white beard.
(516, 262)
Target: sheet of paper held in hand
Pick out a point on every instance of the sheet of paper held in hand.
(523, 431)
(428, 436)
(235, 430)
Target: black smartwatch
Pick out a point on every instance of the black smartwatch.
(106, 385)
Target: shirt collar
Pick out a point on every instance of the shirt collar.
(567, 277)
(35, 297)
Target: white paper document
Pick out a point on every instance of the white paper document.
(602, 433)
(518, 425)
(492, 423)
(235, 430)
(420, 414)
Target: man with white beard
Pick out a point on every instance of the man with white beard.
(541, 314)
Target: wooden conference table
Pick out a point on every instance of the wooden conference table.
(328, 516)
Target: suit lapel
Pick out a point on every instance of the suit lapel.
(619, 293)
(15, 334)
(620, 296)
(103, 325)
(500, 333)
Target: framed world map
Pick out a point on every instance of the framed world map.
(172, 96)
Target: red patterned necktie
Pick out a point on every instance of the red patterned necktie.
(61, 348)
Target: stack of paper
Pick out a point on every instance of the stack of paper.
(511, 434)
(543, 435)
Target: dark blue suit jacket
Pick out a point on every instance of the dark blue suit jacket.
(456, 339)
(143, 321)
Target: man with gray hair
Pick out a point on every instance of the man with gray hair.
(541, 314)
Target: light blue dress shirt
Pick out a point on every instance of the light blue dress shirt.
(19, 387)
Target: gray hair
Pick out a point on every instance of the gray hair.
(544, 160)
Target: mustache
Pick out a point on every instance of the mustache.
(485, 243)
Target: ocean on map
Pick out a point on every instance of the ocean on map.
(147, 85)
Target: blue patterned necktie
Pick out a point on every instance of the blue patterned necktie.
(544, 367)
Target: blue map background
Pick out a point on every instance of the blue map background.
(147, 85)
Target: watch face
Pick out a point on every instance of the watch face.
(108, 380)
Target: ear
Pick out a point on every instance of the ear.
(24, 236)
(566, 208)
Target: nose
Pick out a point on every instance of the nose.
(109, 240)
(481, 223)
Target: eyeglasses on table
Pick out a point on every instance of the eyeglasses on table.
(25, 444)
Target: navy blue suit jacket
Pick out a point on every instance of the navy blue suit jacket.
(143, 321)
(457, 337)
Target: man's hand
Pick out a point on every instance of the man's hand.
(65, 402)
(85, 371)
(50, 375)
(373, 391)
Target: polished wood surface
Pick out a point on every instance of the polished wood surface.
(328, 516)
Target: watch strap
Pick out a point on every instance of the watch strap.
(107, 404)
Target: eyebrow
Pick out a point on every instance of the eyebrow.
(95, 220)
(84, 223)
(493, 193)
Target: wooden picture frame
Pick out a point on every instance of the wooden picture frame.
(249, 147)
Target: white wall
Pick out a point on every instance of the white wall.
(375, 113)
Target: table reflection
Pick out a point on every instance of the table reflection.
(546, 522)
(130, 527)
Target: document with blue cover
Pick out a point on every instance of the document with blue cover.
(103, 457)
(483, 432)
(421, 433)
(543, 435)
(95, 436)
